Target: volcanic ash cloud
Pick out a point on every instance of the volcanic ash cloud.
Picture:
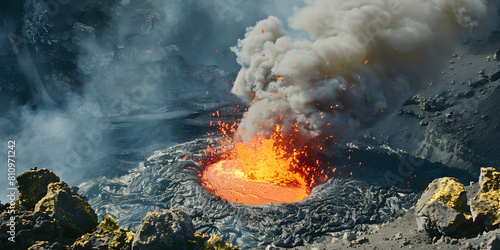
(363, 58)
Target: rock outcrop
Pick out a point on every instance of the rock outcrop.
(214, 242)
(52, 215)
(32, 186)
(171, 229)
(31, 229)
(107, 236)
(77, 215)
(485, 207)
(61, 219)
(442, 207)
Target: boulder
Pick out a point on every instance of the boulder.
(108, 224)
(171, 229)
(107, 236)
(77, 215)
(495, 76)
(32, 186)
(213, 242)
(485, 207)
(442, 207)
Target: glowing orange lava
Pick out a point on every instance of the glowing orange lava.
(227, 180)
(259, 171)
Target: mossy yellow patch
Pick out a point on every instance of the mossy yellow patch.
(129, 238)
(109, 223)
(449, 191)
(214, 242)
(32, 186)
(487, 202)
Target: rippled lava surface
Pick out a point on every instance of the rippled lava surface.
(358, 202)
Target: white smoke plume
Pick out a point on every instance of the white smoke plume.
(362, 60)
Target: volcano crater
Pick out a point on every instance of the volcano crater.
(361, 200)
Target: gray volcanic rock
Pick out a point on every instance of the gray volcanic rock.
(76, 214)
(32, 186)
(171, 229)
(57, 219)
(442, 206)
(167, 180)
(32, 228)
(437, 216)
(493, 243)
(485, 206)
(453, 120)
(107, 236)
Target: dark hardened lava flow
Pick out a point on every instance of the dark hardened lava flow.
(360, 201)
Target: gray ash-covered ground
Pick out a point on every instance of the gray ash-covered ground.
(453, 119)
(402, 233)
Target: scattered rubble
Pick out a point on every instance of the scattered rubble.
(408, 231)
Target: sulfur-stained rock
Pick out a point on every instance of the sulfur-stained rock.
(77, 215)
(214, 242)
(109, 223)
(442, 207)
(32, 186)
(485, 207)
(45, 245)
(107, 236)
(171, 229)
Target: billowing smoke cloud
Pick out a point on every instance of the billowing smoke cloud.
(363, 59)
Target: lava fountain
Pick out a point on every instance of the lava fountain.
(261, 170)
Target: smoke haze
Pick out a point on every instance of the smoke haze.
(362, 60)
(92, 88)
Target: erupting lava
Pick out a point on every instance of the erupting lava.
(260, 171)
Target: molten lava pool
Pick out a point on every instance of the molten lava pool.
(259, 171)
(226, 180)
